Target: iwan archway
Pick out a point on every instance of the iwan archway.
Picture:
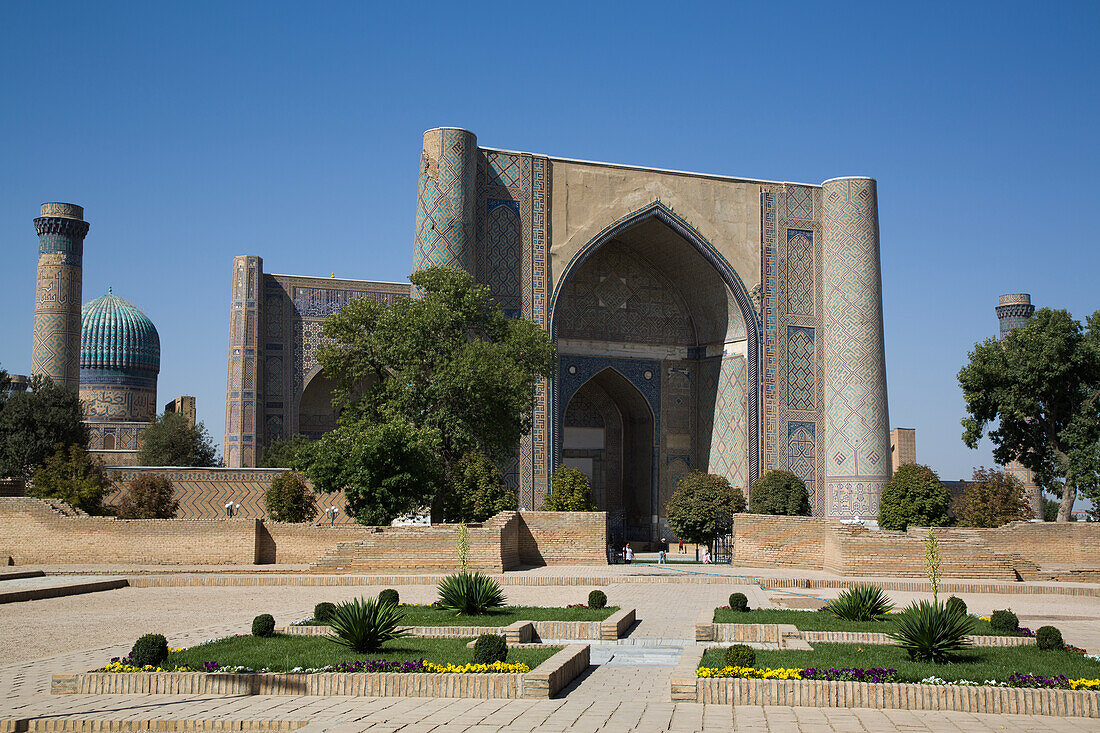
(657, 342)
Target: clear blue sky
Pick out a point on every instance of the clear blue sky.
(200, 131)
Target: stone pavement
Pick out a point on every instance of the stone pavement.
(626, 688)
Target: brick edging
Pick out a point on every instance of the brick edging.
(542, 682)
(126, 725)
(780, 633)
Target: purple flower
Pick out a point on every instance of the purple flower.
(850, 674)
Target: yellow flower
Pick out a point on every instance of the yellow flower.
(781, 673)
(1084, 684)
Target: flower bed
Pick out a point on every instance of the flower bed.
(822, 620)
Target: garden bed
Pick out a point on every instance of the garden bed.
(417, 615)
(826, 621)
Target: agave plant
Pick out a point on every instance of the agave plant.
(365, 624)
(932, 632)
(861, 603)
(472, 594)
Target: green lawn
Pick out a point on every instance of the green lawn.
(977, 664)
(281, 653)
(823, 621)
(429, 616)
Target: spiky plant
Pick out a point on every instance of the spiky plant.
(861, 603)
(931, 632)
(365, 624)
(472, 594)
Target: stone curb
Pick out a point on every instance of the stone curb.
(84, 725)
(56, 591)
(541, 682)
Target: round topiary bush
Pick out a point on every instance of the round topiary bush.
(490, 648)
(1004, 622)
(323, 611)
(913, 496)
(954, 602)
(389, 596)
(740, 655)
(779, 492)
(263, 625)
(149, 649)
(739, 602)
(597, 599)
(1049, 637)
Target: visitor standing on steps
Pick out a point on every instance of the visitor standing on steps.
(628, 554)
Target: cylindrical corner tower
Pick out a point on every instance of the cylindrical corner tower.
(857, 421)
(56, 352)
(243, 406)
(445, 196)
(1014, 310)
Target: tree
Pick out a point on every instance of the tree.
(702, 507)
(477, 491)
(779, 492)
(171, 440)
(290, 499)
(73, 476)
(991, 499)
(150, 497)
(291, 453)
(914, 496)
(35, 424)
(1041, 386)
(570, 491)
(449, 363)
(386, 470)
(1050, 510)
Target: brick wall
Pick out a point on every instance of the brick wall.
(562, 538)
(762, 540)
(281, 542)
(32, 532)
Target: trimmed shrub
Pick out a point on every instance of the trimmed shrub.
(1004, 622)
(913, 496)
(150, 497)
(323, 611)
(570, 491)
(1049, 637)
(263, 625)
(364, 624)
(290, 499)
(389, 596)
(861, 603)
(740, 655)
(931, 632)
(490, 648)
(739, 602)
(781, 493)
(702, 507)
(149, 649)
(597, 599)
(956, 602)
(472, 594)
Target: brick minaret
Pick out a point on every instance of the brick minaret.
(56, 354)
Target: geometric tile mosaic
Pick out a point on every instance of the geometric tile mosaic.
(800, 368)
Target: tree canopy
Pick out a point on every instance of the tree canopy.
(779, 492)
(171, 440)
(570, 491)
(37, 423)
(991, 499)
(914, 496)
(477, 491)
(1037, 394)
(73, 476)
(702, 507)
(291, 453)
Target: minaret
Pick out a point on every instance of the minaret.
(56, 354)
(857, 421)
(1015, 310)
(445, 199)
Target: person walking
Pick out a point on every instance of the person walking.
(682, 550)
(661, 557)
(628, 554)
(706, 556)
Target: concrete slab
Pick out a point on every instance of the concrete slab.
(37, 587)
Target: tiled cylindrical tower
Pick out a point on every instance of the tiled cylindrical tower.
(1014, 310)
(56, 352)
(243, 387)
(857, 421)
(445, 197)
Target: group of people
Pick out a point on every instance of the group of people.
(662, 553)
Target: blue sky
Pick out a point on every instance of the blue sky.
(200, 131)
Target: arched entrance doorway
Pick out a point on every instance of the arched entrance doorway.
(316, 414)
(648, 313)
(609, 435)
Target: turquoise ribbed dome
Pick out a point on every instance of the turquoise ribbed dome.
(115, 335)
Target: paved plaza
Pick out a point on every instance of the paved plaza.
(625, 688)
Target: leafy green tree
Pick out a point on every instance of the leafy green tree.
(570, 491)
(149, 497)
(171, 440)
(73, 476)
(290, 499)
(477, 491)
(35, 424)
(914, 496)
(1050, 510)
(779, 492)
(991, 499)
(448, 362)
(292, 453)
(1040, 385)
(386, 469)
(702, 507)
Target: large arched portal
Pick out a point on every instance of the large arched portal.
(316, 413)
(651, 325)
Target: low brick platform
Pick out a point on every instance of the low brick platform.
(119, 725)
(541, 682)
(686, 686)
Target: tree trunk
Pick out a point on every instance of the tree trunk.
(1069, 495)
